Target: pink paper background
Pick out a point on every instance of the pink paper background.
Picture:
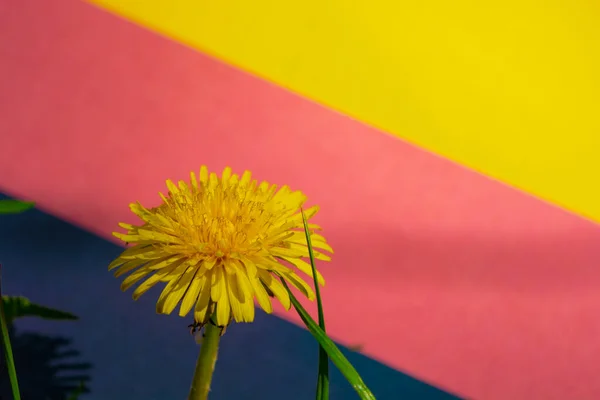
(438, 271)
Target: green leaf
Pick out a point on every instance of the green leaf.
(335, 355)
(78, 392)
(18, 306)
(10, 362)
(322, 392)
(14, 206)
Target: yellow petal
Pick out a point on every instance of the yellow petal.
(263, 187)
(201, 309)
(203, 175)
(281, 237)
(135, 277)
(248, 311)
(165, 261)
(245, 180)
(304, 248)
(155, 236)
(283, 192)
(270, 192)
(229, 267)
(174, 269)
(168, 289)
(300, 284)
(317, 241)
(172, 188)
(305, 268)
(183, 187)
(148, 254)
(115, 263)
(191, 296)
(139, 210)
(213, 181)
(185, 193)
(317, 237)
(284, 227)
(308, 213)
(252, 186)
(137, 252)
(261, 295)
(165, 199)
(127, 238)
(266, 263)
(244, 285)
(283, 252)
(247, 294)
(318, 244)
(223, 306)
(276, 287)
(209, 263)
(193, 180)
(217, 285)
(234, 180)
(157, 221)
(292, 201)
(167, 303)
(249, 266)
(129, 227)
(233, 293)
(128, 266)
(225, 177)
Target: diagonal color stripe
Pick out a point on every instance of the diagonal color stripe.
(508, 88)
(438, 271)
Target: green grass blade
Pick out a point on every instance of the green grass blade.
(14, 206)
(323, 374)
(78, 391)
(335, 355)
(10, 362)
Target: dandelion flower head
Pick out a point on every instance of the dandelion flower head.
(219, 243)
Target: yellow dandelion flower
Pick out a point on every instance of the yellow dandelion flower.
(219, 243)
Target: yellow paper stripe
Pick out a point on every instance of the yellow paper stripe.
(510, 88)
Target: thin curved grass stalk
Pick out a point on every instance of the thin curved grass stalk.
(10, 362)
(322, 392)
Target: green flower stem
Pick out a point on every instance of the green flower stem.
(10, 362)
(205, 365)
